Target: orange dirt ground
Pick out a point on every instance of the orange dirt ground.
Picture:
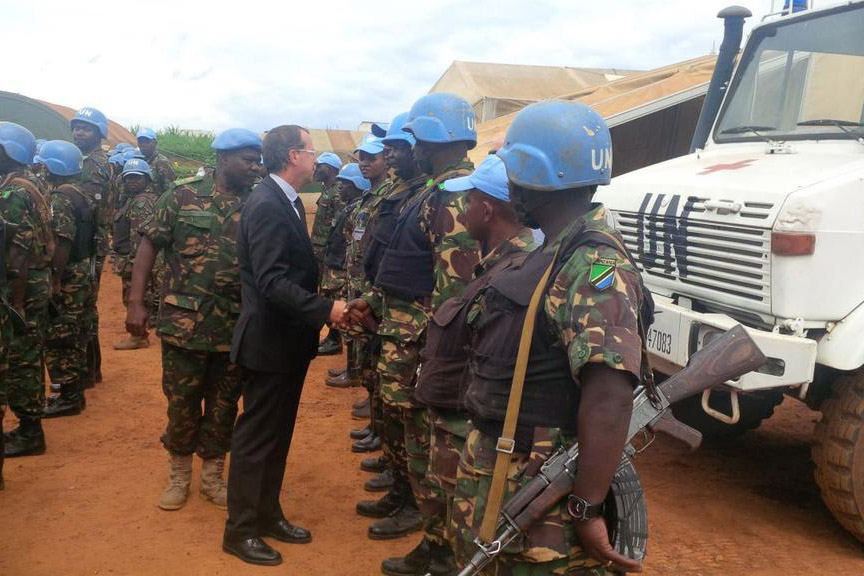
(88, 506)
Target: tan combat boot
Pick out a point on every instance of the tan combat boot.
(213, 488)
(177, 491)
(132, 343)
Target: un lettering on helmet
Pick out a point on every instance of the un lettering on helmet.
(601, 159)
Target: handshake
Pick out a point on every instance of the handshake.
(354, 314)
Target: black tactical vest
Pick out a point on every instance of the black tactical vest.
(406, 268)
(84, 244)
(444, 376)
(122, 242)
(383, 227)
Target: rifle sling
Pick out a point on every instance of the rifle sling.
(506, 442)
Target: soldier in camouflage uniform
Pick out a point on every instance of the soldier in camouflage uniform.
(585, 359)
(430, 259)
(491, 220)
(196, 225)
(138, 208)
(24, 202)
(75, 239)
(329, 204)
(160, 166)
(89, 127)
(7, 232)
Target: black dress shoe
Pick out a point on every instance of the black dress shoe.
(375, 465)
(360, 433)
(284, 531)
(379, 483)
(371, 443)
(252, 550)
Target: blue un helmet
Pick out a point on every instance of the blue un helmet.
(60, 158)
(116, 159)
(442, 118)
(235, 139)
(148, 133)
(123, 146)
(330, 159)
(93, 117)
(394, 131)
(18, 142)
(131, 153)
(557, 145)
(137, 166)
(371, 145)
(351, 173)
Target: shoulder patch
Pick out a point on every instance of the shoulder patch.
(602, 273)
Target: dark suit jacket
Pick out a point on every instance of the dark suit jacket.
(281, 315)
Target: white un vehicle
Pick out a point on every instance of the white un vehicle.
(763, 225)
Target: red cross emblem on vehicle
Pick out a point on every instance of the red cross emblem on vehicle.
(731, 166)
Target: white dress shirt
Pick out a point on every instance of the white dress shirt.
(289, 191)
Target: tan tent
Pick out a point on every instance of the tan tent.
(341, 142)
(652, 114)
(51, 121)
(497, 89)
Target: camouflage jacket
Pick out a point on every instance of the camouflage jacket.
(197, 226)
(592, 306)
(355, 229)
(141, 209)
(328, 206)
(455, 254)
(24, 201)
(96, 183)
(163, 173)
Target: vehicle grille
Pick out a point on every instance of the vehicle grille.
(731, 259)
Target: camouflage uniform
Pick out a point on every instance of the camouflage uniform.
(25, 202)
(138, 210)
(196, 225)
(587, 325)
(96, 182)
(402, 330)
(66, 344)
(163, 173)
(328, 206)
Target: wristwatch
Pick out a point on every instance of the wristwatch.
(581, 510)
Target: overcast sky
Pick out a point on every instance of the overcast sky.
(322, 64)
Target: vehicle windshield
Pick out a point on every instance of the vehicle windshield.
(799, 80)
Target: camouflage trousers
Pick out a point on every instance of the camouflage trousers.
(202, 389)
(445, 448)
(91, 311)
(550, 547)
(26, 390)
(5, 337)
(397, 369)
(66, 343)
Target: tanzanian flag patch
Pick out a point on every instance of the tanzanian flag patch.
(602, 273)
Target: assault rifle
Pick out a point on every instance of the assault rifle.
(726, 357)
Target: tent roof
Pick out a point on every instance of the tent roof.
(50, 121)
(477, 80)
(618, 100)
(342, 142)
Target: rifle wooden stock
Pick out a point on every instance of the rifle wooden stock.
(728, 356)
(559, 489)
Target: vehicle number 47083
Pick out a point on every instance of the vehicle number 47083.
(659, 341)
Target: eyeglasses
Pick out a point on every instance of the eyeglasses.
(304, 150)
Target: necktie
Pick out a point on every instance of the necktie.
(301, 212)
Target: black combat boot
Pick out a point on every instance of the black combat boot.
(370, 443)
(379, 483)
(383, 507)
(400, 523)
(28, 439)
(350, 379)
(360, 433)
(374, 465)
(332, 345)
(415, 563)
(331, 372)
(70, 402)
(442, 561)
(94, 363)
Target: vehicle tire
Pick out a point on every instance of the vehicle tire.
(838, 453)
(755, 407)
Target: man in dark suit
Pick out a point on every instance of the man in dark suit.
(274, 341)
